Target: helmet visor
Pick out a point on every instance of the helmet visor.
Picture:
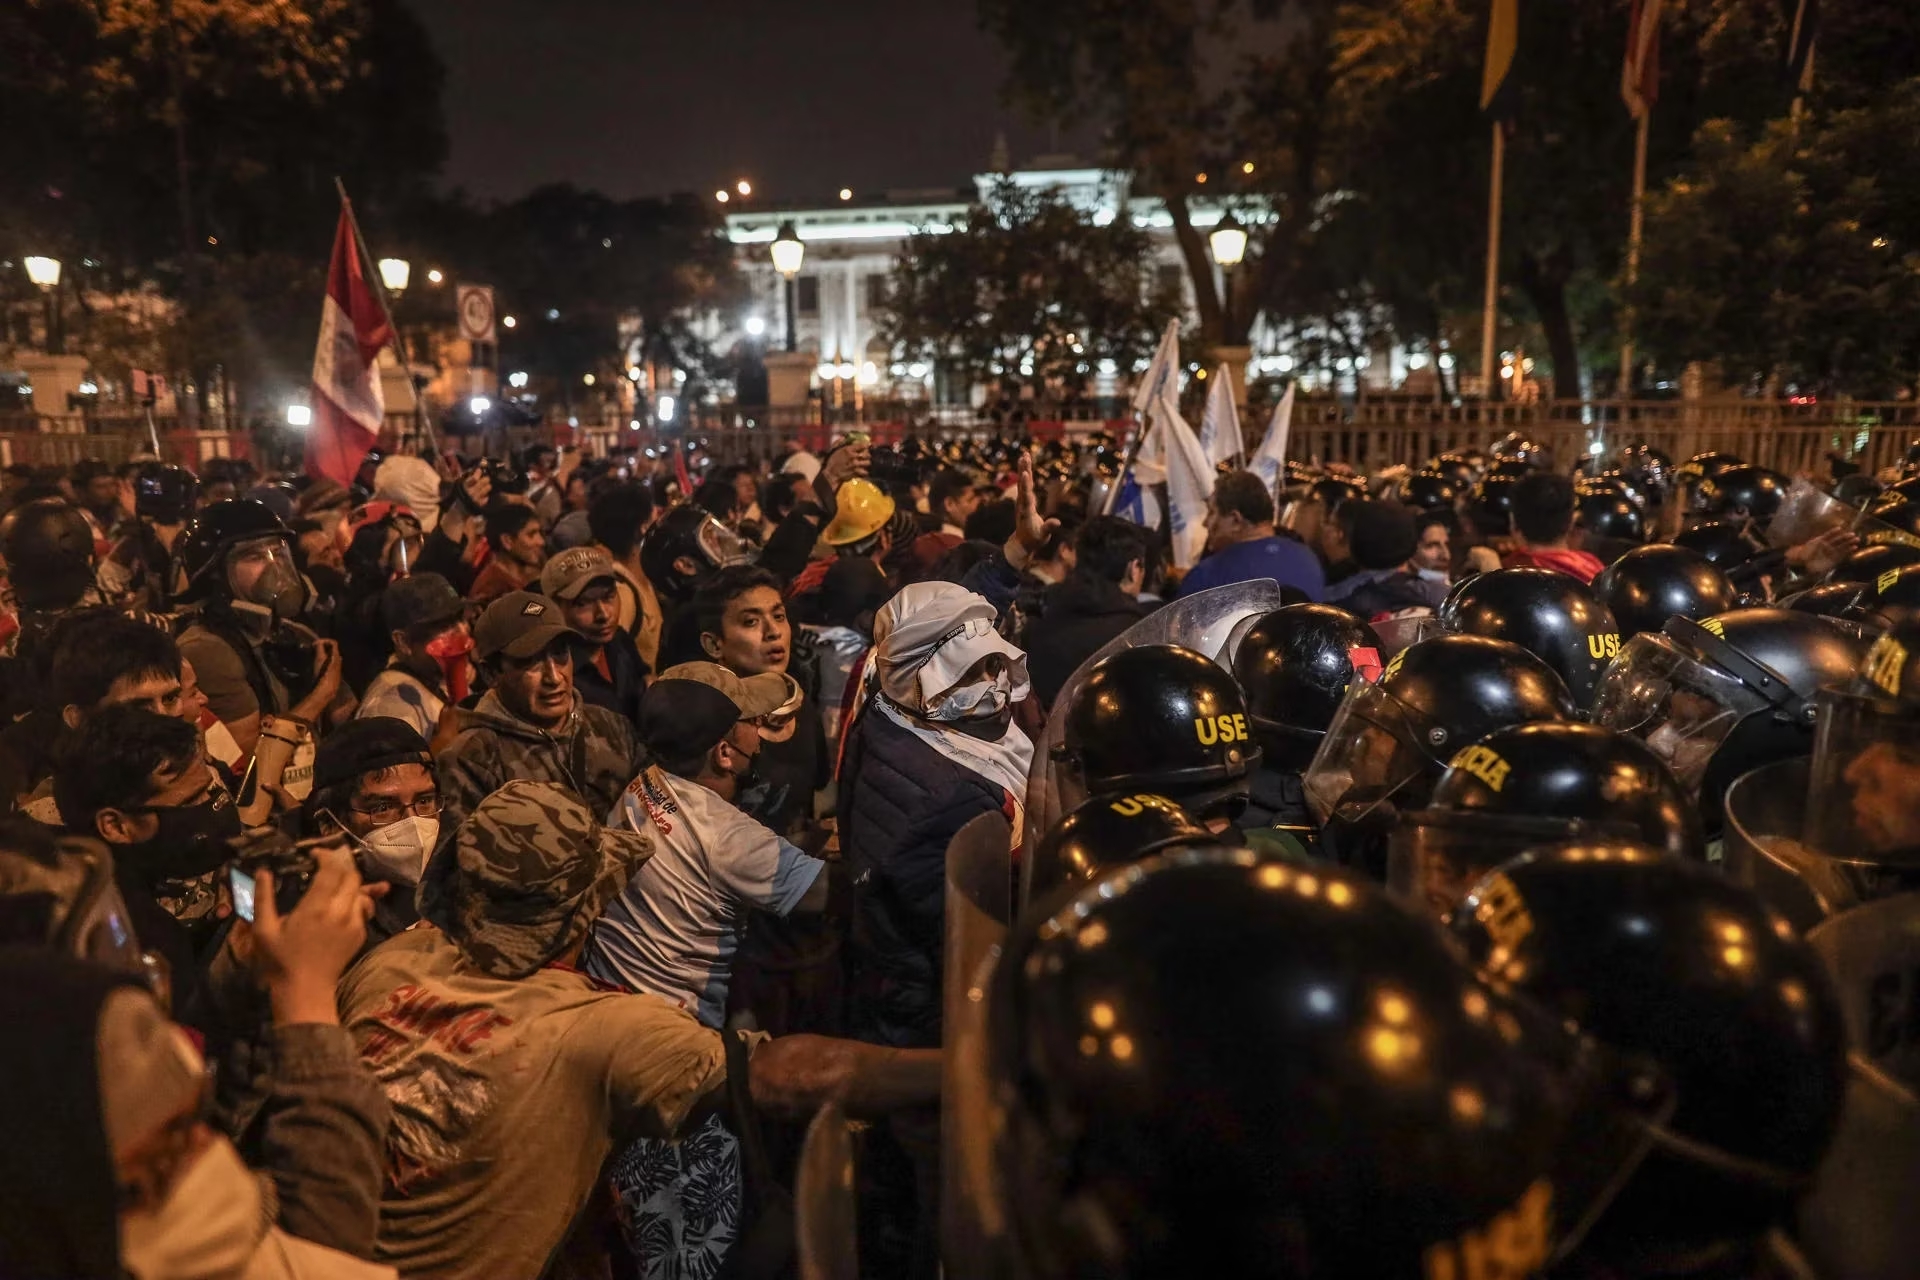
(1863, 800)
(1805, 512)
(262, 571)
(1680, 707)
(723, 547)
(1373, 748)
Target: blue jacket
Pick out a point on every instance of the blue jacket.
(901, 803)
(1288, 561)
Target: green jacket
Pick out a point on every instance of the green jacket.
(595, 755)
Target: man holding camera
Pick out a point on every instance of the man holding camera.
(533, 724)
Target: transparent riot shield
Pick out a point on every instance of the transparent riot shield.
(1858, 1222)
(1805, 512)
(823, 1200)
(979, 909)
(1800, 869)
(1873, 953)
(1204, 622)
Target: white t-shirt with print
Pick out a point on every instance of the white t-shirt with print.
(674, 931)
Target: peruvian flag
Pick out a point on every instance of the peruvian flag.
(347, 405)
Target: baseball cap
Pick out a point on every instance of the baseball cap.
(531, 871)
(682, 719)
(519, 624)
(756, 696)
(567, 574)
(420, 600)
(363, 745)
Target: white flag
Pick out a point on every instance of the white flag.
(1190, 477)
(1271, 457)
(1164, 366)
(1220, 424)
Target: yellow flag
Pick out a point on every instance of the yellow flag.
(1503, 30)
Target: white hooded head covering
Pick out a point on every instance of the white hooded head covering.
(930, 635)
(413, 483)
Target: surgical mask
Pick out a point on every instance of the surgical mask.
(188, 841)
(1433, 575)
(398, 852)
(210, 1225)
(974, 701)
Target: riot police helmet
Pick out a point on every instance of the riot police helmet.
(1294, 666)
(1429, 491)
(1752, 493)
(1648, 585)
(1106, 831)
(1551, 615)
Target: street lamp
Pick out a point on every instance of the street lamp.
(396, 274)
(788, 252)
(45, 272)
(1229, 242)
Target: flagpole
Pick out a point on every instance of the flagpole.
(370, 271)
(1635, 220)
(1493, 263)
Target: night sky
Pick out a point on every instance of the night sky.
(638, 97)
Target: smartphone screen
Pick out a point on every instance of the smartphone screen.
(241, 885)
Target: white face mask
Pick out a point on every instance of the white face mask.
(398, 852)
(975, 701)
(1432, 575)
(210, 1225)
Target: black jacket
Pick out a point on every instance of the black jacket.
(620, 695)
(1078, 616)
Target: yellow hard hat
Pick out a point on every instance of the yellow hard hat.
(861, 509)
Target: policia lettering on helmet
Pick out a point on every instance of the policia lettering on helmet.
(252, 655)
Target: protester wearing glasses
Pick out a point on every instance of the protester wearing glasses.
(373, 781)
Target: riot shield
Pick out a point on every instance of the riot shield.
(1858, 1221)
(1805, 512)
(979, 909)
(1772, 847)
(1873, 953)
(823, 1200)
(1204, 621)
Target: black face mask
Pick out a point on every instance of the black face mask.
(187, 841)
(1356, 836)
(991, 729)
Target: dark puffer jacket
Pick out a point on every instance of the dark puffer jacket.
(901, 803)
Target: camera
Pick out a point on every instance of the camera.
(291, 865)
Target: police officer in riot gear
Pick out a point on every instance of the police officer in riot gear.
(1742, 494)
(1549, 614)
(1167, 720)
(1295, 665)
(1390, 742)
(1105, 832)
(1868, 563)
(685, 548)
(1210, 1063)
(249, 650)
(1673, 962)
(1538, 786)
(1648, 585)
(1730, 693)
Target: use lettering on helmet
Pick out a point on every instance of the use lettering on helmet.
(1715, 626)
(1503, 913)
(1885, 580)
(1394, 665)
(1885, 661)
(1212, 729)
(1512, 1245)
(1134, 806)
(1483, 763)
(1603, 646)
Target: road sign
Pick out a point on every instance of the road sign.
(476, 312)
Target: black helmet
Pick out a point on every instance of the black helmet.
(1678, 964)
(1549, 614)
(687, 532)
(1164, 719)
(1890, 519)
(1515, 467)
(1515, 447)
(1294, 665)
(1539, 786)
(1750, 492)
(164, 493)
(1896, 593)
(1648, 585)
(1650, 470)
(1869, 563)
(1389, 741)
(1106, 831)
(1891, 669)
(48, 547)
(1609, 513)
(1724, 543)
(1856, 490)
(1334, 491)
(1850, 602)
(1730, 693)
(1429, 491)
(1711, 463)
(1347, 1099)
(224, 525)
(1456, 468)
(1491, 504)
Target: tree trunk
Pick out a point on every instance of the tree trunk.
(1199, 259)
(1545, 283)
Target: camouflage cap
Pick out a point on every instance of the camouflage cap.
(530, 872)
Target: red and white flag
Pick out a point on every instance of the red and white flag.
(1640, 74)
(347, 404)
